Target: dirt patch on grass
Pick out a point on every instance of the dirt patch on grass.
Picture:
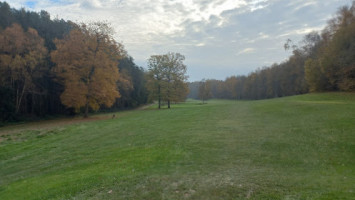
(57, 123)
(49, 124)
(144, 107)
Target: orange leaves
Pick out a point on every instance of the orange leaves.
(125, 81)
(75, 96)
(14, 40)
(86, 63)
(21, 56)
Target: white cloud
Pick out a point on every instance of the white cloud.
(310, 3)
(263, 36)
(96, 4)
(246, 51)
(200, 44)
(257, 4)
(209, 32)
(301, 31)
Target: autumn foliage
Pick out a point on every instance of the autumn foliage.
(22, 55)
(86, 64)
(322, 61)
(166, 78)
(51, 67)
(333, 67)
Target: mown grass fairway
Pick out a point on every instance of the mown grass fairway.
(300, 147)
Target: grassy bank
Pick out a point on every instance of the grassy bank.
(300, 147)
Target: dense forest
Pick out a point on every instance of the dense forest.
(44, 62)
(56, 67)
(322, 61)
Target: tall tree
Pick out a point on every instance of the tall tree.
(22, 55)
(181, 90)
(87, 62)
(42, 91)
(166, 78)
(131, 85)
(314, 76)
(338, 54)
(204, 90)
(174, 77)
(6, 16)
(155, 78)
(231, 86)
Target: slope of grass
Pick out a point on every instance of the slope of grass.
(300, 147)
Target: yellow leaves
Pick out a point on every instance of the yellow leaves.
(86, 62)
(125, 81)
(5, 60)
(21, 51)
(103, 87)
(21, 54)
(15, 41)
(74, 95)
(166, 77)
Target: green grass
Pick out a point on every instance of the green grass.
(300, 147)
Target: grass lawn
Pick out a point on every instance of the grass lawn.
(300, 147)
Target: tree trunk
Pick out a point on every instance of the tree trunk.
(86, 114)
(168, 92)
(19, 98)
(33, 103)
(159, 98)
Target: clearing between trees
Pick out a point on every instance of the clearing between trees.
(299, 147)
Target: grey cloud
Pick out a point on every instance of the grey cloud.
(210, 39)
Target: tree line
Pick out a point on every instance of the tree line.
(322, 61)
(51, 67)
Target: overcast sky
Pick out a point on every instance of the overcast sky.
(219, 38)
